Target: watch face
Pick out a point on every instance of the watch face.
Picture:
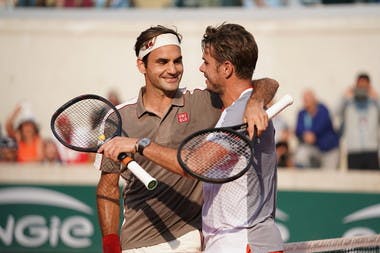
(145, 141)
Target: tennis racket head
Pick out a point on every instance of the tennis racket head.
(85, 122)
(216, 155)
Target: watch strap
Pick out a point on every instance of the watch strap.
(141, 144)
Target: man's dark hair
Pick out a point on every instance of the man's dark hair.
(231, 42)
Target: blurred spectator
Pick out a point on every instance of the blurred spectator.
(318, 141)
(69, 156)
(74, 3)
(50, 151)
(8, 150)
(267, 3)
(282, 140)
(360, 115)
(26, 133)
(284, 154)
(208, 3)
(338, 1)
(151, 3)
(115, 3)
(28, 3)
(113, 97)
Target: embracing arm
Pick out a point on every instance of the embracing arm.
(264, 91)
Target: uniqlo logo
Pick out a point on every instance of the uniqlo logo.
(182, 117)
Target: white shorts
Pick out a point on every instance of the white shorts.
(234, 242)
(188, 243)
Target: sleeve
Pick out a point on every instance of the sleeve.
(106, 165)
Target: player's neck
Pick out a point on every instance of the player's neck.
(157, 102)
(233, 91)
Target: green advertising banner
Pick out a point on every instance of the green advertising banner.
(63, 219)
(48, 219)
(305, 216)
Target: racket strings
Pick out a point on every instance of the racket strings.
(82, 124)
(217, 155)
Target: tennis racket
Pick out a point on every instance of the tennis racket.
(86, 122)
(220, 155)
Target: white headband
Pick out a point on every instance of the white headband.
(158, 41)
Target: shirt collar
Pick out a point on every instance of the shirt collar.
(178, 100)
(244, 92)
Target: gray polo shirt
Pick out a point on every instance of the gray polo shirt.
(174, 207)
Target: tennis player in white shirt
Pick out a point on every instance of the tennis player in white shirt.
(233, 220)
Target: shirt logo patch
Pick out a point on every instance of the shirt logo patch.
(182, 117)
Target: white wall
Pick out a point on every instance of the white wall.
(50, 56)
(288, 179)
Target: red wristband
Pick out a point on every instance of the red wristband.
(111, 244)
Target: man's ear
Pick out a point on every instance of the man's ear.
(141, 66)
(228, 69)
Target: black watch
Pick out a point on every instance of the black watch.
(142, 144)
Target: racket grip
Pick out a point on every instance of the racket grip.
(149, 182)
(280, 105)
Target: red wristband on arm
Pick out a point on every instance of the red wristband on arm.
(111, 244)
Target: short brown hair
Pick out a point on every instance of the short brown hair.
(232, 42)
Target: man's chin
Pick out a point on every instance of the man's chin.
(209, 87)
(171, 86)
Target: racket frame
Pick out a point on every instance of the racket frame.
(149, 182)
(59, 111)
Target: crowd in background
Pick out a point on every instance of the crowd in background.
(323, 135)
(23, 143)
(176, 3)
(319, 139)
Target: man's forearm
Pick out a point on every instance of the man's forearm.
(165, 157)
(264, 90)
(108, 205)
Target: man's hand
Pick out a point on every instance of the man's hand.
(112, 148)
(264, 91)
(256, 117)
(309, 137)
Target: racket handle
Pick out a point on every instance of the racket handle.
(149, 182)
(280, 105)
